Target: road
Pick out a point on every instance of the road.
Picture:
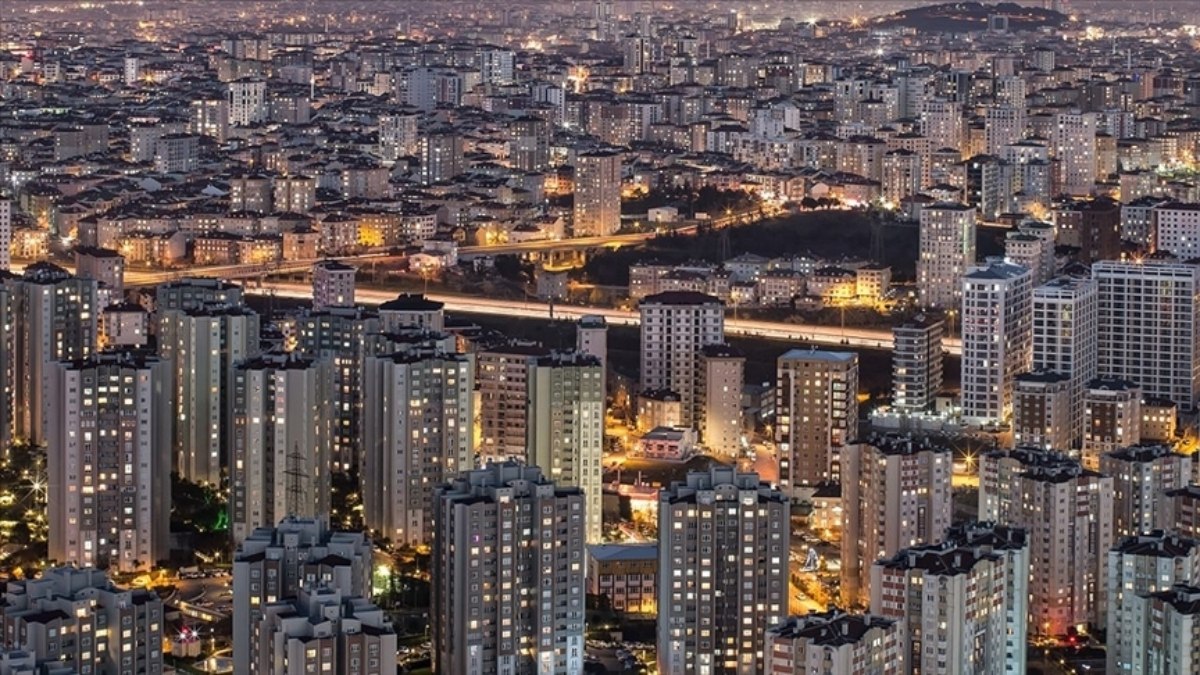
(862, 338)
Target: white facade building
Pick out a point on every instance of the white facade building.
(947, 252)
(282, 424)
(675, 326)
(1149, 315)
(996, 339)
(416, 436)
(713, 610)
(108, 426)
(509, 587)
(565, 426)
(895, 494)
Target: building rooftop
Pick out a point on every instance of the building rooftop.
(1146, 452)
(411, 302)
(1157, 544)
(681, 298)
(818, 355)
(623, 552)
(832, 628)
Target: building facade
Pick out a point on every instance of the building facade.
(508, 574)
(722, 572)
(109, 498)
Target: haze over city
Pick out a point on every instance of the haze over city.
(685, 337)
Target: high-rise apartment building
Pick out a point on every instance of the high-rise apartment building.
(398, 134)
(1168, 629)
(530, 143)
(597, 194)
(1138, 567)
(441, 152)
(247, 100)
(722, 572)
(943, 124)
(508, 573)
(1066, 337)
(282, 421)
(1003, 125)
(961, 606)
(1149, 316)
(340, 335)
(565, 425)
(8, 365)
(72, 620)
(675, 327)
(333, 285)
(834, 643)
(1042, 410)
(591, 337)
(1093, 226)
(1031, 251)
(895, 494)
(57, 321)
(502, 379)
(947, 252)
(1181, 511)
(1073, 141)
(719, 379)
(1112, 418)
(210, 117)
(416, 436)
(1067, 512)
(1175, 229)
(108, 425)
(1142, 475)
(274, 565)
(816, 413)
(917, 363)
(202, 345)
(996, 339)
(321, 630)
(6, 208)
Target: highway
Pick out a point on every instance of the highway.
(861, 338)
